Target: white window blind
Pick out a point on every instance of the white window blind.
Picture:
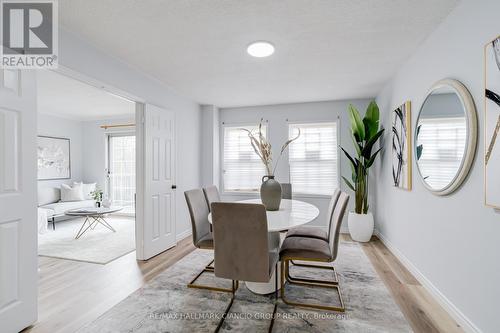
(242, 169)
(313, 158)
(443, 142)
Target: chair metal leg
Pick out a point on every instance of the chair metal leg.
(292, 279)
(285, 266)
(208, 269)
(233, 290)
(275, 298)
(210, 265)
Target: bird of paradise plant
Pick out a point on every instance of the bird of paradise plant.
(263, 148)
(365, 133)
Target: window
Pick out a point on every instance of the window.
(121, 171)
(242, 169)
(313, 158)
(443, 142)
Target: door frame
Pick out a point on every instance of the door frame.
(139, 138)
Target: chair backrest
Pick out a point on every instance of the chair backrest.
(286, 191)
(337, 217)
(211, 195)
(240, 241)
(331, 207)
(198, 210)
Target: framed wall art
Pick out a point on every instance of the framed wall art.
(401, 146)
(54, 158)
(492, 123)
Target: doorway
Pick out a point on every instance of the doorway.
(86, 171)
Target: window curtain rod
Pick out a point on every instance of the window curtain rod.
(118, 125)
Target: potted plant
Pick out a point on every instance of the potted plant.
(97, 196)
(365, 134)
(270, 190)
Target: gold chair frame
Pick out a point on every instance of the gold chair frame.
(208, 269)
(285, 274)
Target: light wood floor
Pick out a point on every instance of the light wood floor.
(423, 313)
(72, 293)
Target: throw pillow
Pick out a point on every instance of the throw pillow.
(87, 189)
(69, 193)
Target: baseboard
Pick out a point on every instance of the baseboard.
(449, 307)
(183, 235)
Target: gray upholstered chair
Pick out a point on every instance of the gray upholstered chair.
(313, 232)
(241, 246)
(202, 237)
(211, 195)
(286, 191)
(314, 250)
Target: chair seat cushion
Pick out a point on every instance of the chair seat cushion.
(206, 242)
(310, 232)
(306, 248)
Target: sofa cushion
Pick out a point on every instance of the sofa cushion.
(60, 207)
(48, 195)
(87, 189)
(71, 193)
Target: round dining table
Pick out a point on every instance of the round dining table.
(292, 213)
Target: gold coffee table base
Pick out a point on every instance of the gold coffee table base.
(91, 222)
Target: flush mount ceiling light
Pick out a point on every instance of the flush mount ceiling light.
(260, 49)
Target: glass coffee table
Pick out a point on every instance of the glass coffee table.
(93, 217)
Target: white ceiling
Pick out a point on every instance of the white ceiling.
(324, 49)
(62, 96)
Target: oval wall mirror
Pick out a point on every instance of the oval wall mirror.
(445, 136)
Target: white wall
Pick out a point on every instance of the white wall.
(80, 56)
(64, 128)
(210, 144)
(453, 241)
(277, 116)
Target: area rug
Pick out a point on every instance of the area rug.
(99, 245)
(165, 304)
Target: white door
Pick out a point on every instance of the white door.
(155, 181)
(18, 219)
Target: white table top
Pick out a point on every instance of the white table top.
(292, 213)
(89, 211)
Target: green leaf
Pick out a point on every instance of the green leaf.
(349, 157)
(372, 112)
(348, 183)
(367, 150)
(372, 159)
(356, 145)
(357, 126)
(420, 150)
(373, 117)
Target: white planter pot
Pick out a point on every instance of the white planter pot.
(360, 226)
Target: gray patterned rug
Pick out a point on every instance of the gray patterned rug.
(167, 305)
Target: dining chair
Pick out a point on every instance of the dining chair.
(211, 195)
(314, 250)
(202, 237)
(315, 232)
(286, 191)
(242, 250)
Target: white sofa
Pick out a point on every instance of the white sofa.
(49, 200)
